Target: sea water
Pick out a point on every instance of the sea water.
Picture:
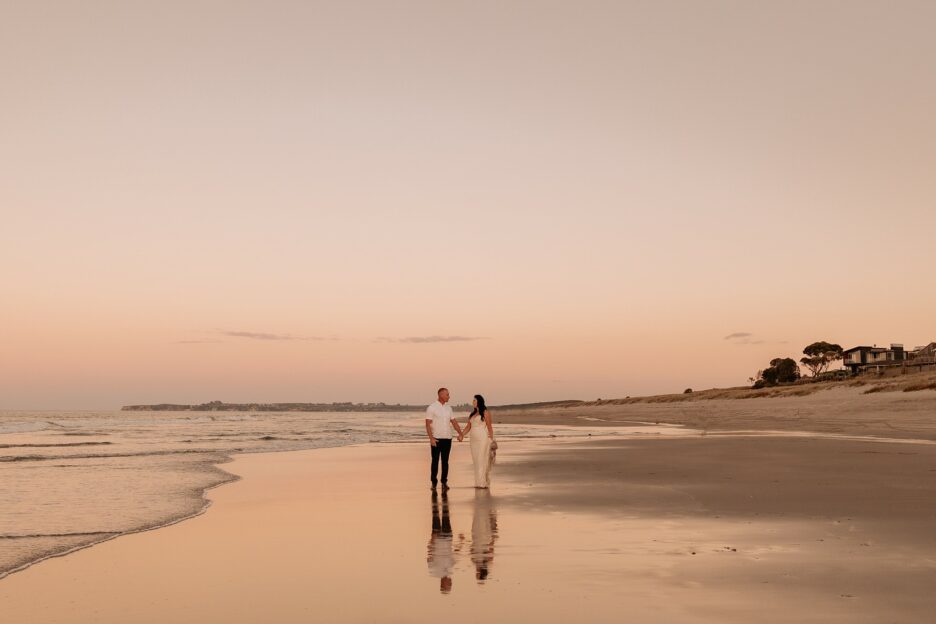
(72, 479)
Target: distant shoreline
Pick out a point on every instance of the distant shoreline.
(219, 406)
(870, 384)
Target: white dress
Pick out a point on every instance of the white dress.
(480, 451)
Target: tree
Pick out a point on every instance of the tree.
(819, 355)
(781, 370)
(787, 369)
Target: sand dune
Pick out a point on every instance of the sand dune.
(867, 406)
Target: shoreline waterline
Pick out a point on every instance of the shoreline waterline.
(642, 431)
(142, 471)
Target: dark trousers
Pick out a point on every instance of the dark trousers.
(441, 451)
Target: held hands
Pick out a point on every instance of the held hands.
(461, 436)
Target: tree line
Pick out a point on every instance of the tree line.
(817, 358)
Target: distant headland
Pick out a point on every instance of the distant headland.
(220, 406)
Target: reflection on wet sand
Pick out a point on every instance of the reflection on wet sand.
(441, 551)
(483, 534)
(444, 548)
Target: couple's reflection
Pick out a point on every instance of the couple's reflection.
(444, 547)
(441, 555)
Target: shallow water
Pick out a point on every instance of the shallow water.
(71, 479)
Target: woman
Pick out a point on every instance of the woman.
(480, 434)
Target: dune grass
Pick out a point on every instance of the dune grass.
(920, 386)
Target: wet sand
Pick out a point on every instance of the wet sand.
(699, 529)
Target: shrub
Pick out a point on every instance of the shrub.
(780, 371)
(920, 386)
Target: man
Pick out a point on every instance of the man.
(439, 424)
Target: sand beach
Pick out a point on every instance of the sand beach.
(657, 526)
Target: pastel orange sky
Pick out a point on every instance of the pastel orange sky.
(269, 201)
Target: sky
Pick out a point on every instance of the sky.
(363, 201)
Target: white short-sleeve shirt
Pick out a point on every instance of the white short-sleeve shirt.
(441, 417)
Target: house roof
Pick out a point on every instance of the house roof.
(871, 349)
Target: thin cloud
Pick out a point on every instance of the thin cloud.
(742, 338)
(431, 339)
(266, 336)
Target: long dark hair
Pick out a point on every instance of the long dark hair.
(481, 407)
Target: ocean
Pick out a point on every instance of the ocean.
(72, 479)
